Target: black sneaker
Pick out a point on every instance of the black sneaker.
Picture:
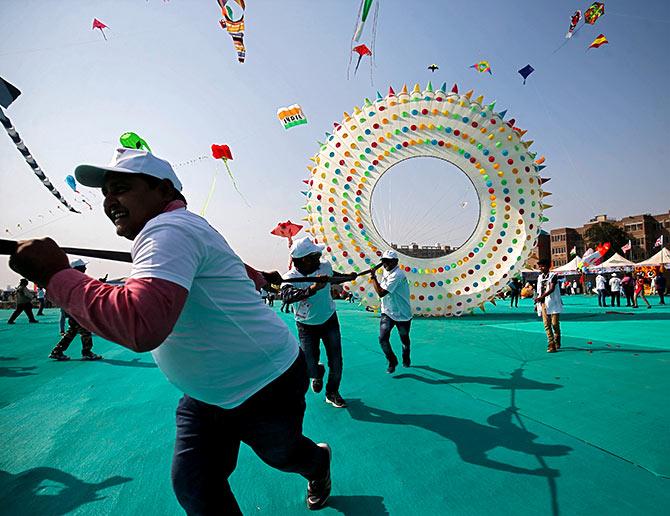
(318, 491)
(406, 362)
(317, 383)
(336, 400)
(90, 356)
(391, 368)
(61, 357)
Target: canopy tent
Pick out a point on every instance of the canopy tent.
(615, 261)
(660, 258)
(571, 266)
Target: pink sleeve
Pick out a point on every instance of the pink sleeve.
(255, 276)
(139, 315)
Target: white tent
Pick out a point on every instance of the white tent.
(660, 258)
(571, 266)
(616, 260)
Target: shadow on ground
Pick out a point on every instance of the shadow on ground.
(473, 440)
(516, 380)
(358, 505)
(49, 491)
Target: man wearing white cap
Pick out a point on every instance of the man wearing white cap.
(316, 318)
(74, 328)
(189, 301)
(393, 290)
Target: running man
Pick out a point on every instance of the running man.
(243, 376)
(393, 290)
(316, 318)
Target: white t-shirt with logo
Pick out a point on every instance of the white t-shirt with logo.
(615, 284)
(601, 282)
(319, 307)
(226, 344)
(396, 304)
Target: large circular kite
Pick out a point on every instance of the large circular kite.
(448, 126)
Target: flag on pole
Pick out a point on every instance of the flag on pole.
(573, 251)
(659, 242)
(626, 247)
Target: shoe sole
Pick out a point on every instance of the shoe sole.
(336, 405)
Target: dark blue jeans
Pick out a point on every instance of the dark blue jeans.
(385, 326)
(311, 336)
(602, 297)
(270, 423)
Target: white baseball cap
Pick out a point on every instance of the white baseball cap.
(305, 246)
(78, 263)
(128, 161)
(390, 254)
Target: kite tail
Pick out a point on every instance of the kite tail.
(232, 179)
(209, 195)
(6, 122)
(357, 64)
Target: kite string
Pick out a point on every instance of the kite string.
(232, 178)
(210, 193)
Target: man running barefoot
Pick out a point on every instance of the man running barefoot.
(190, 302)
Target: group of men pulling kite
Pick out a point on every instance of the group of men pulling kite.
(190, 302)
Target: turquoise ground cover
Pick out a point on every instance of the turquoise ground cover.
(485, 422)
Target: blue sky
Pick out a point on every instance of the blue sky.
(169, 72)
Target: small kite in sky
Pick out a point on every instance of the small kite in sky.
(132, 140)
(287, 230)
(525, 72)
(234, 27)
(72, 183)
(291, 116)
(594, 12)
(573, 23)
(223, 153)
(97, 24)
(361, 50)
(433, 67)
(599, 41)
(482, 66)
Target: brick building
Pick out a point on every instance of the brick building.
(643, 230)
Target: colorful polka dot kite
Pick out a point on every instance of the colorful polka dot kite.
(429, 123)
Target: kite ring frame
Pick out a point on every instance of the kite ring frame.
(451, 127)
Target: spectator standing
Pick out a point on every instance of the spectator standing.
(615, 289)
(628, 286)
(40, 300)
(661, 285)
(601, 288)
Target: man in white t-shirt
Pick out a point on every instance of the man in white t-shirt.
(601, 288)
(549, 305)
(393, 290)
(190, 302)
(315, 317)
(615, 289)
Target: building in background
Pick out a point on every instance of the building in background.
(424, 251)
(644, 231)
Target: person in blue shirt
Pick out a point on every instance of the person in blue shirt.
(316, 318)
